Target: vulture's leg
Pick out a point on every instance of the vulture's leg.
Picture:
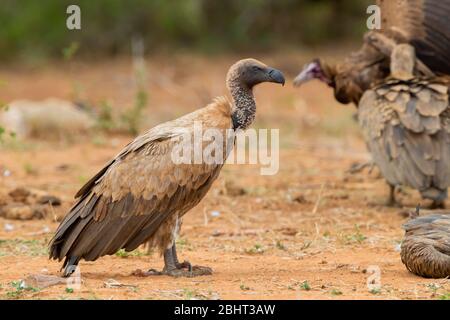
(392, 202)
(176, 269)
(437, 204)
(184, 264)
(172, 267)
(438, 197)
(170, 264)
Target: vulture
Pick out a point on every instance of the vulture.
(142, 194)
(422, 23)
(425, 249)
(405, 122)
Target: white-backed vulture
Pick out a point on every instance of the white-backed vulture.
(142, 194)
(405, 122)
(425, 249)
(422, 23)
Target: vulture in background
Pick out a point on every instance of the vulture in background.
(406, 124)
(425, 249)
(142, 194)
(422, 23)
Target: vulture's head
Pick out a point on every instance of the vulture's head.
(319, 70)
(249, 72)
(316, 69)
(348, 80)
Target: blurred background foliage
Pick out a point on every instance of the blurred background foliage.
(37, 29)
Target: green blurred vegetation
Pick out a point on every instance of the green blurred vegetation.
(37, 28)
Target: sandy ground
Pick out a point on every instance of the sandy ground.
(313, 231)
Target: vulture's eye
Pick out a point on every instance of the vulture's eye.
(256, 69)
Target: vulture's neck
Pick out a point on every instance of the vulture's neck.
(244, 106)
(330, 72)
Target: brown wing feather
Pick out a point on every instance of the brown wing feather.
(407, 151)
(126, 202)
(423, 23)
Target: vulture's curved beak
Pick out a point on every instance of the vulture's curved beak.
(305, 75)
(276, 76)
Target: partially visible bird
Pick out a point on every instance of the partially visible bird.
(142, 194)
(425, 249)
(406, 124)
(422, 23)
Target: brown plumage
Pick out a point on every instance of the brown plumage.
(422, 23)
(141, 195)
(406, 125)
(425, 249)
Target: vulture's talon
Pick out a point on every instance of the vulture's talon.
(185, 264)
(190, 272)
(151, 272)
(437, 205)
(393, 204)
(154, 272)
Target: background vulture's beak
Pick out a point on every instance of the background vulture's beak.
(304, 76)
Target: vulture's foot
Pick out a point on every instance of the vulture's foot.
(183, 271)
(392, 201)
(189, 272)
(184, 264)
(174, 268)
(436, 204)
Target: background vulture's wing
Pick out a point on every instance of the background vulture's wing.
(423, 23)
(425, 248)
(406, 127)
(126, 202)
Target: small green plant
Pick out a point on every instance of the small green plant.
(433, 287)
(244, 287)
(105, 118)
(4, 107)
(256, 249)
(132, 118)
(23, 247)
(124, 254)
(70, 51)
(183, 244)
(356, 237)
(305, 286)
(98, 140)
(69, 290)
(30, 169)
(445, 296)
(336, 292)
(189, 294)
(375, 291)
(82, 179)
(19, 288)
(280, 245)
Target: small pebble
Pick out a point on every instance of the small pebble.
(215, 213)
(8, 227)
